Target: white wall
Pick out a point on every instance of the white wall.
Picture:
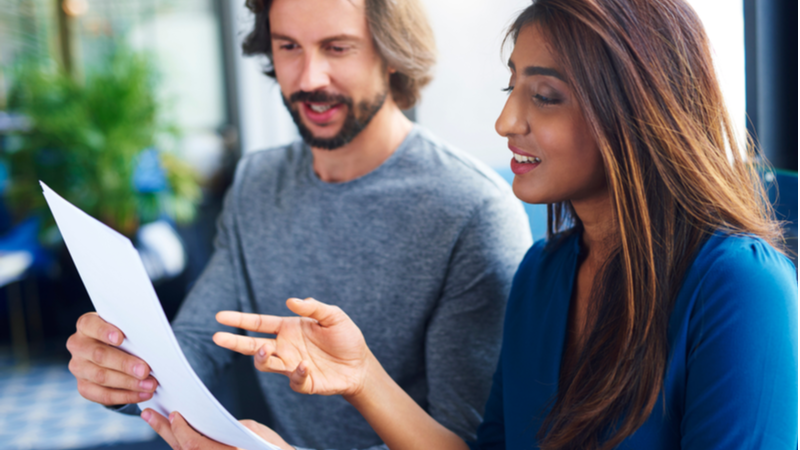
(264, 120)
(724, 24)
(464, 100)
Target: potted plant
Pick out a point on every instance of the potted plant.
(88, 141)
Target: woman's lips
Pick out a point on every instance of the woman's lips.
(518, 151)
(522, 167)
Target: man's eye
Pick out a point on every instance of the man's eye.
(288, 46)
(337, 49)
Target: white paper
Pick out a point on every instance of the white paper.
(122, 294)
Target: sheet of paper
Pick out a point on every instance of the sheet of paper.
(122, 294)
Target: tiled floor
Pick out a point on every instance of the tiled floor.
(40, 409)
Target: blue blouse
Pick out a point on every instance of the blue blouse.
(731, 376)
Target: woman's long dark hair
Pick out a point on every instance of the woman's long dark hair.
(643, 74)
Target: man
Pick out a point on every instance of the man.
(416, 241)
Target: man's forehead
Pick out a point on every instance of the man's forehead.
(320, 19)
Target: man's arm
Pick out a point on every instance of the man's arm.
(463, 339)
(215, 290)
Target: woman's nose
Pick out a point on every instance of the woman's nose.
(512, 120)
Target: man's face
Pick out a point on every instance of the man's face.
(332, 79)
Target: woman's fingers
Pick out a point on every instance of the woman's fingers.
(161, 425)
(326, 315)
(299, 380)
(259, 323)
(245, 345)
(273, 363)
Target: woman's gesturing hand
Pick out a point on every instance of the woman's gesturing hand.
(322, 351)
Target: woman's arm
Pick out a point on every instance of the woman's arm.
(323, 352)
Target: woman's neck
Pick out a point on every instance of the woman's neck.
(599, 227)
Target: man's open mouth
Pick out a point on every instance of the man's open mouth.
(320, 108)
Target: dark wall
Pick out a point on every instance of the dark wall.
(771, 77)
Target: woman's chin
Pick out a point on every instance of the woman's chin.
(528, 194)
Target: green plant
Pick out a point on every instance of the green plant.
(85, 140)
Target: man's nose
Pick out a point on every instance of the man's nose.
(315, 73)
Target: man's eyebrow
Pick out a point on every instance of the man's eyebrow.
(280, 37)
(539, 70)
(338, 37)
(341, 37)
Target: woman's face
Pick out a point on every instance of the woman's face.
(555, 155)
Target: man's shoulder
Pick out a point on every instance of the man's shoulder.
(272, 159)
(255, 168)
(451, 170)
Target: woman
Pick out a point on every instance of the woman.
(658, 313)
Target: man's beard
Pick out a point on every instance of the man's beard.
(357, 118)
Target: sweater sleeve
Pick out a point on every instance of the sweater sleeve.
(214, 291)
(741, 380)
(492, 431)
(462, 342)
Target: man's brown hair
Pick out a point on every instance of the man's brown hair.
(400, 31)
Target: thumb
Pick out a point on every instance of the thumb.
(326, 315)
(300, 381)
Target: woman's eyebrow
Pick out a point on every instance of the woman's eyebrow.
(539, 70)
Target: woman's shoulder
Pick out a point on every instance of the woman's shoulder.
(738, 276)
(733, 255)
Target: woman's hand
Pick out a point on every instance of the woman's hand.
(322, 352)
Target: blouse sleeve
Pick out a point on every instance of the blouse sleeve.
(741, 380)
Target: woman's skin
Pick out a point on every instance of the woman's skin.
(323, 352)
(542, 119)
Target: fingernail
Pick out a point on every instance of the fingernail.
(113, 337)
(171, 417)
(147, 415)
(146, 384)
(302, 370)
(145, 395)
(262, 353)
(138, 370)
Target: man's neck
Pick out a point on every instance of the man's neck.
(373, 145)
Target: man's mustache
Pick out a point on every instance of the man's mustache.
(319, 97)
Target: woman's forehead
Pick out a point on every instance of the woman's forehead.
(531, 49)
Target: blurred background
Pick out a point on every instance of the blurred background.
(138, 110)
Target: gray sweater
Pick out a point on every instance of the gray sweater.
(420, 253)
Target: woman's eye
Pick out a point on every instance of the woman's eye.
(337, 49)
(545, 101)
(288, 46)
(508, 89)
